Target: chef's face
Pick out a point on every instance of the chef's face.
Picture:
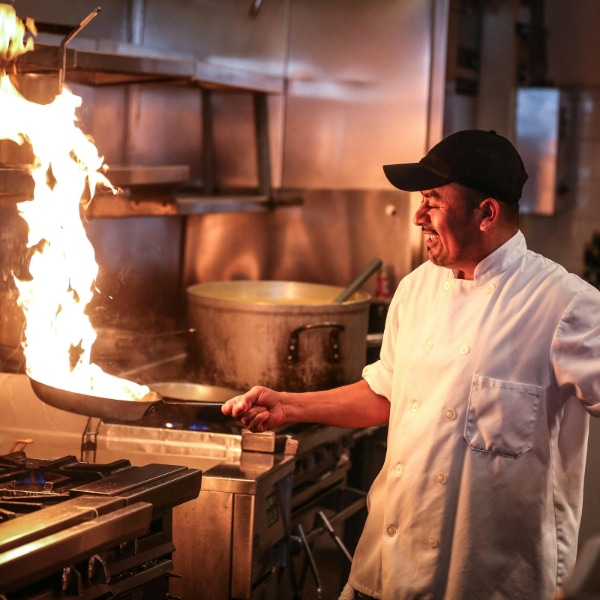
(450, 217)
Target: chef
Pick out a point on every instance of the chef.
(489, 370)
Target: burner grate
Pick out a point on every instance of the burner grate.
(18, 502)
(28, 484)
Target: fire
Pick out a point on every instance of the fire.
(12, 33)
(66, 170)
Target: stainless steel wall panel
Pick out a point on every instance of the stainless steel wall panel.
(330, 239)
(360, 78)
(359, 81)
(139, 277)
(220, 32)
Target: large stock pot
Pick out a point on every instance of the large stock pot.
(285, 335)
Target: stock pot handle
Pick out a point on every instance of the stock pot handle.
(334, 341)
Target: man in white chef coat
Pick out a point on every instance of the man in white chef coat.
(489, 369)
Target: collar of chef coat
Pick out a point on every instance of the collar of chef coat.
(500, 259)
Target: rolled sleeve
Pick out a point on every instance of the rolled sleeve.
(378, 378)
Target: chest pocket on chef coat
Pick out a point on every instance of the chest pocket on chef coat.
(501, 416)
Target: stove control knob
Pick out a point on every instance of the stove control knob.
(128, 548)
(98, 571)
(71, 581)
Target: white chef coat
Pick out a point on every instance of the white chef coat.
(489, 383)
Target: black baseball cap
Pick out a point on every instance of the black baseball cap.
(481, 160)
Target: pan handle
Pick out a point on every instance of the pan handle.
(179, 402)
(333, 353)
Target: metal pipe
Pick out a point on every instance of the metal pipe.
(263, 154)
(309, 562)
(336, 538)
(67, 40)
(208, 143)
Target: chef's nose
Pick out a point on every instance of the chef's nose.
(420, 216)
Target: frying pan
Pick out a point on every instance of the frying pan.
(204, 401)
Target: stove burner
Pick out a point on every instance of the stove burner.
(28, 484)
(33, 480)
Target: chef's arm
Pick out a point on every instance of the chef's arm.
(354, 405)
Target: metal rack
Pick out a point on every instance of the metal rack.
(113, 63)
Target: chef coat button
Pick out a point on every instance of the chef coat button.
(464, 350)
(441, 478)
(428, 345)
(399, 468)
(447, 286)
(414, 406)
(490, 288)
(433, 542)
(391, 530)
(450, 414)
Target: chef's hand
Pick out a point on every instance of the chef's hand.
(259, 409)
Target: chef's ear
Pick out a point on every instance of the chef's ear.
(490, 212)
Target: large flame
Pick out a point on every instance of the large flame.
(65, 170)
(12, 33)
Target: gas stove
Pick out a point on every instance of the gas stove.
(73, 529)
(237, 538)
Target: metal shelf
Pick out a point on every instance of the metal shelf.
(130, 175)
(115, 63)
(127, 64)
(200, 205)
(106, 205)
